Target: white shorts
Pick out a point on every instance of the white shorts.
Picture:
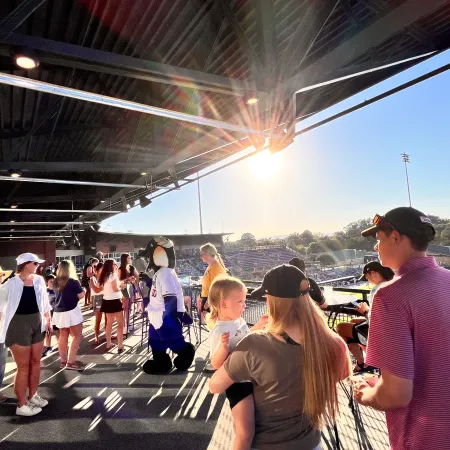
(67, 319)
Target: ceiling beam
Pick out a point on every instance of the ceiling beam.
(65, 129)
(78, 57)
(267, 39)
(16, 17)
(380, 31)
(43, 199)
(253, 59)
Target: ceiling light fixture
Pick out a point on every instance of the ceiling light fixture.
(26, 59)
(252, 101)
(14, 206)
(143, 174)
(15, 173)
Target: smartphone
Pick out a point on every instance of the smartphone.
(354, 303)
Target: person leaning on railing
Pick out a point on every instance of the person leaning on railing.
(356, 332)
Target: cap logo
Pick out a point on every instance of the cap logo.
(425, 219)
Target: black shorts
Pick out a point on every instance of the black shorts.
(360, 333)
(111, 306)
(238, 391)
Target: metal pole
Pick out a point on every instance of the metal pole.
(406, 160)
(199, 204)
(78, 211)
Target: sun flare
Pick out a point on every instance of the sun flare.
(264, 164)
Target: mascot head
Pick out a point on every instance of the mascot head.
(161, 253)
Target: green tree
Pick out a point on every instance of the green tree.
(306, 238)
(301, 250)
(315, 247)
(326, 260)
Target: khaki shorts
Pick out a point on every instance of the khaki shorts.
(24, 330)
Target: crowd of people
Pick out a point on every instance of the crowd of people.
(280, 376)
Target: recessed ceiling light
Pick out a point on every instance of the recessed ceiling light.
(26, 59)
(102, 201)
(143, 174)
(14, 206)
(14, 174)
(252, 101)
(11, 221)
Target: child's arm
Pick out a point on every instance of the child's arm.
(221, 353)
(261, 323)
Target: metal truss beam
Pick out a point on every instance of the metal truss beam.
(384, 28)
(78, 57)
(267, 37)
(18, 16)
(65, 129)
(75, 166)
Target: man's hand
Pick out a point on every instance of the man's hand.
(225, 340)
(362, 308)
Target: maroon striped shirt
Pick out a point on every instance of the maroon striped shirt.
(410, 338)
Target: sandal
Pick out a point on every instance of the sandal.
(63, 364)
(76, 365)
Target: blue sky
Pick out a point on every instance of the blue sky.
(348, 169)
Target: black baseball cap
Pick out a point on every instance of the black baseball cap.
(282, 281)
(406, 220)
(375, 266)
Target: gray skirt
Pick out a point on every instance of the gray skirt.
(24, 330)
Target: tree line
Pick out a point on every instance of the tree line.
(310, 243)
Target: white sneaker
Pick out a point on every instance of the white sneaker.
(37, 400)
(209, 368)
(28, 410)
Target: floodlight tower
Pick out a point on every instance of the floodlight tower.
(406, 160)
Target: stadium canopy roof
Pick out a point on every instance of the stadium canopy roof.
(199, 57)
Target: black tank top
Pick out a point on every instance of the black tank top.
(28, 303)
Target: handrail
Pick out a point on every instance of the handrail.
(347, 278)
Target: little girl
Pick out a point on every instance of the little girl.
(227, 302)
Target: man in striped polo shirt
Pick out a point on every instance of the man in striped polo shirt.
(409, 335)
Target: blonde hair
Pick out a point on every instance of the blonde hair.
(220, 289)
(211, 250)
(65, 270)
(323, 360)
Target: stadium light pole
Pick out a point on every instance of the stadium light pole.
(406, 160)
(199, 204)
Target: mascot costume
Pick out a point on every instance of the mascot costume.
(166, 311)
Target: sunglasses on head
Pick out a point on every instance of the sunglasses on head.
(381, 222)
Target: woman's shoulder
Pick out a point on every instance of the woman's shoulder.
(254, 339)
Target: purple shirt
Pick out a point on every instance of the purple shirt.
(67, 299)
(409, 337)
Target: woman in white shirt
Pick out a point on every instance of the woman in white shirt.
(111, 303)
(24, 318)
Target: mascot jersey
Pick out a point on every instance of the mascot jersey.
(165, 284)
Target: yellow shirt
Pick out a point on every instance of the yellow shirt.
(211, 273)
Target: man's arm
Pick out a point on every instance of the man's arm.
(390, 392)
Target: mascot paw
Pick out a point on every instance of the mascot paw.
(185, 357)
(159, 365)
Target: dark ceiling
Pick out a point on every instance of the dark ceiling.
(203, 57)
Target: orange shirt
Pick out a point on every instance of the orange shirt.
(211, 273)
